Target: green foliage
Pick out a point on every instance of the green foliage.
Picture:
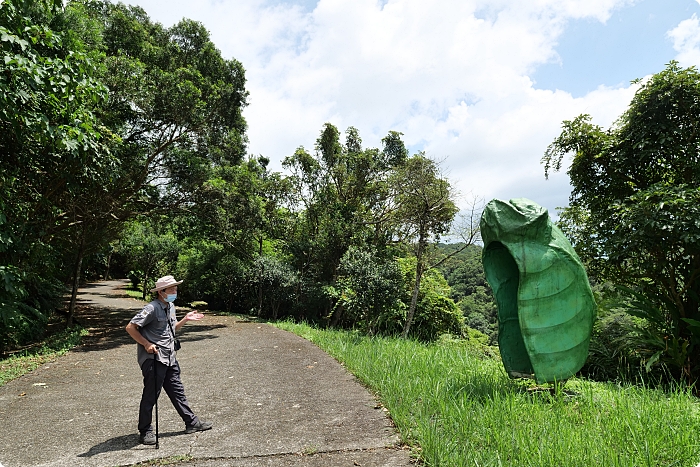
(54, 153)
(657, 344)
(47, 351)
(633, 214)
(469, 289)
(236, 231)
(174, 100)
(464, 271)
(20, 318)
(436, 313)
(275, 282)
(631, 341)
(236, 206)
(368, 292)
(104, 115)
(150, 250)
(481, 313)
(372, 295)
(118, 128)
(476, 336)
(339, 198)
(211, 274)
(610, 355)
(424, 210)
(424, 199)
(47, 93)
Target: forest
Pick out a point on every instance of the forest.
(124, 154)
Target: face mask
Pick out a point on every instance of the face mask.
(171, 297)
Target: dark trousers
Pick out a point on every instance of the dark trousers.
(168, 378)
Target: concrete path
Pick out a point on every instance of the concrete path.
(275, 400)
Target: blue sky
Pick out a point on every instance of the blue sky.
(480, 85)
(631, 44)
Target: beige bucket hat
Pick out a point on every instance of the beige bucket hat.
(164, 283)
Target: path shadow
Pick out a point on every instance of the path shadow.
(194, 333)
(105, 325)
(110, 332)
(106, 322)
(475, 386)
(124, 443)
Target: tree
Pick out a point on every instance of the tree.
(273, 279)
(54, 150)
(104, 115)
(149, 251)
(425, 210)
(435, 313)
(634, 204)
(464, 273)
(174, 101)
(339, 199)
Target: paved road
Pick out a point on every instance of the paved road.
(275, 400)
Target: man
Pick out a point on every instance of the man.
(153, 329)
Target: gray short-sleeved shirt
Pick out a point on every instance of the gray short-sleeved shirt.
(153, 325)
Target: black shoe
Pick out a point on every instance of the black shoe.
(148, 438)
(199, 426)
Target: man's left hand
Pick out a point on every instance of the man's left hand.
(194, 316)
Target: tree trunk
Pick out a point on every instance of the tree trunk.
(109, 261)
(143, 291)
(76, 279)
(229, 302)
(337, 314)
(275, 308)
(416, 287)
(260, 279)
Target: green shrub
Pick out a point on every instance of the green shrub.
(436, 313)
(610, 355)
(367, 293)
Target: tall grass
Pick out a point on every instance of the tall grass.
(457, 407)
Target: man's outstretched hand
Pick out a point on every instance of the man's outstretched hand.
(194, 316)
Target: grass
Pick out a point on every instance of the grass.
(133, 293)
(27, 360)
(456, 407)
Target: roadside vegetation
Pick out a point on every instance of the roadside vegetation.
(453, 403)
(24, 361)
(133, 292)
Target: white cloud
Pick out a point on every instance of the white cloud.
(496, 151)
(451, 75)
(686, 41)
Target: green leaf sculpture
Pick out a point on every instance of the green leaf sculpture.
(545, 304)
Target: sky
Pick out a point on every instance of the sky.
(482, 86)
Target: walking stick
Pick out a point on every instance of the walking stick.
(155, 388)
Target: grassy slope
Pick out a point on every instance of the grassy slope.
(458, 408)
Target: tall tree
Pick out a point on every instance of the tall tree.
(105, 115)
(241, 209)
(53, 151)
(425, 210)
(340, 196)
(174, 105)
(635, 207)
(175, 102)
